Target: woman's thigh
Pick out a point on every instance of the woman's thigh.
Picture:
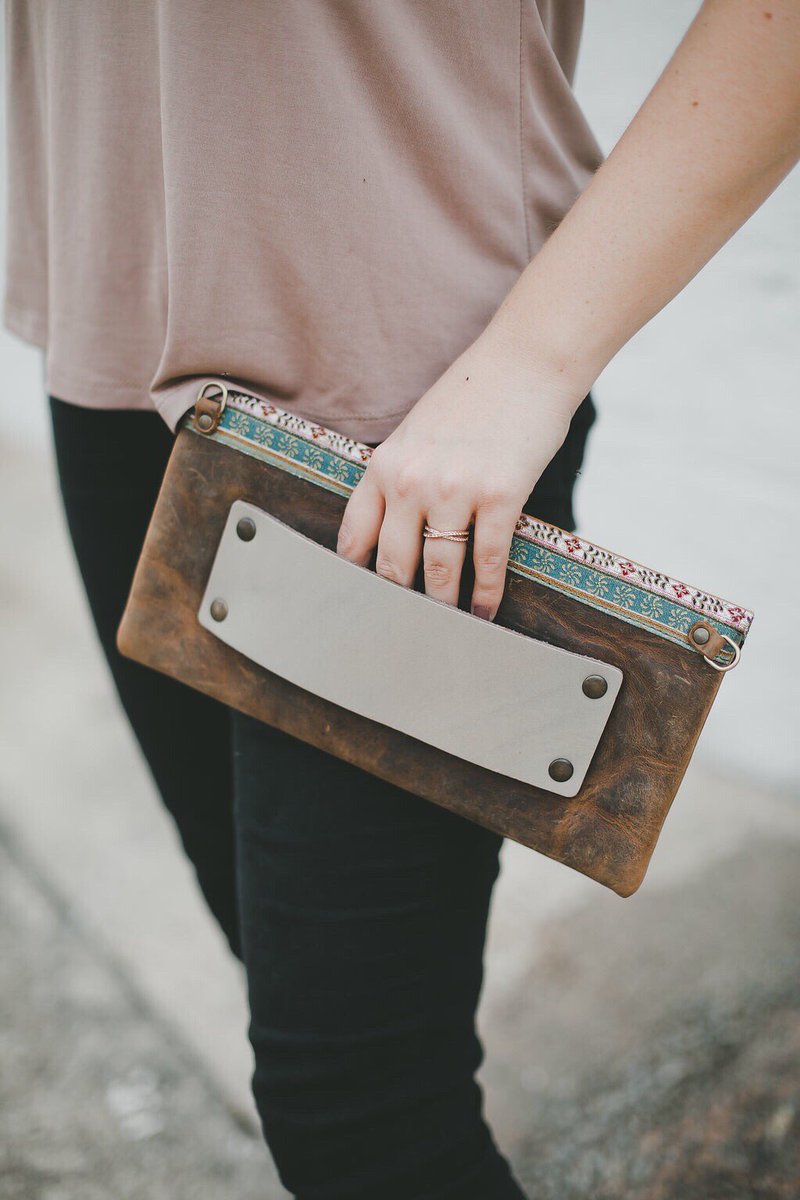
(110, 465)
(363, 921)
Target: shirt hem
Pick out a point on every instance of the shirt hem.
(64, 386)
(362, 428)
(25, 325)
(176, 400)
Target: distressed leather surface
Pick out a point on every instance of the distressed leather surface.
(608, 831)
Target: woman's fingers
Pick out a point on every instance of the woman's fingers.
(443, 560)
(389, 509)
(400, 543)
(361, 523)
(494, 529)
(391, 522)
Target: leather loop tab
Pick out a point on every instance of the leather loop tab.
(209, 406)
(705, 638)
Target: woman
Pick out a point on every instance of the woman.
(349, 206)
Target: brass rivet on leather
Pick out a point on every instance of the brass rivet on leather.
(219, 609)
(246, 528)
(560, 769)
(700, 635)
(205, 421)
(594, 686)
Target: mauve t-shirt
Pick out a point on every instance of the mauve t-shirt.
(324, 199)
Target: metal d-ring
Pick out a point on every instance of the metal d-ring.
(205, 421)
(736, 655)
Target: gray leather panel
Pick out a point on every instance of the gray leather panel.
(483, 693)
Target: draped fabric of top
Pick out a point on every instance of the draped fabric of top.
(324, 199)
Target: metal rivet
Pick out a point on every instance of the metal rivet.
(246, 528)
(700, 635)
(561, 769)
(219, 609)
(594, 686)
(205, 421)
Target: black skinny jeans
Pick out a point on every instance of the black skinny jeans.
(359, 909)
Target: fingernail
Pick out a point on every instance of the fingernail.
(482, 610)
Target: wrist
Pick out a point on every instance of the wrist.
(536, 365)
(552, 325)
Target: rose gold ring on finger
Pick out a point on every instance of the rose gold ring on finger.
(449, 535)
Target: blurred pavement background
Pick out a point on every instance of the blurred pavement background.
(647, 1049)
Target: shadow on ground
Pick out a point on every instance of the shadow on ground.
(662, 1043)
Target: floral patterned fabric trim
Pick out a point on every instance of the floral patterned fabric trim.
(552, 556)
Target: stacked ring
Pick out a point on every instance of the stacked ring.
(450, 535)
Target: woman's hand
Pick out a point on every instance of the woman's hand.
(471, 449)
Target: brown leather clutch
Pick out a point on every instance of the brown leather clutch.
(567, 724)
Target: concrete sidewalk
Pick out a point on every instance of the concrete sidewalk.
(98, 1098)
(653, 1052)
(649, 1056)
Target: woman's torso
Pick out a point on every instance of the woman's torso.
(325, 199)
